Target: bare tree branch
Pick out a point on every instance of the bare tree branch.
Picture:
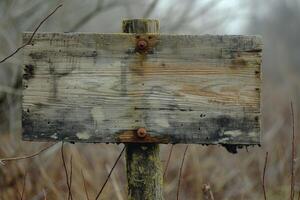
(180, 170)
(92, 14)
(292, 195)
(168, 161)
(2, 161)
(263, 178)
(84, 185)
(70, 181)
(31, 38)
(45, 194)
(187, 16)
(66, 170)
(23, 187)
(27, 12)
(150, 9)
(98, 195)
(207, 193)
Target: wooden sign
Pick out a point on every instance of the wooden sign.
(179, 88)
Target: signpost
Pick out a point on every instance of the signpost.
(142, 88)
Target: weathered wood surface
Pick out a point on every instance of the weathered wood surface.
(143, 164)
(185, 89)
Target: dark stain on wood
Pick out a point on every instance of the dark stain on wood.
(28, 72)
(86, 54)
(221, 130)
(38, 55)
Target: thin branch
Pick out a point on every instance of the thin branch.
(19, 193)
(23, 187)
(180, 171)
(168, 161)
(70, 181)
(27, 13)
(150, 9)
(66, 170)
(263, 178)
(293, 155)
(31, 38)
(2, 161)
(92, 14)
(110, 174)
(207, 193)
(10, 90)
(85, 188)
(45, 194)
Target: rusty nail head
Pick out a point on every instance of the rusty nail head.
(141, 132)
(142, 44)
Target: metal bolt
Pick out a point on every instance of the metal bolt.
(142, 44)
(141, 132)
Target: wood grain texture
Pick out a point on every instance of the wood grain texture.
(182, 89)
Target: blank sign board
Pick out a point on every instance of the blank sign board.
(83, 87)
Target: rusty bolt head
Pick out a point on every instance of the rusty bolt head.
(141, 132)
(142, 45)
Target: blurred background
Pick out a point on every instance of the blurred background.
(231, 176)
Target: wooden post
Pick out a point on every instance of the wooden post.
(143, 165)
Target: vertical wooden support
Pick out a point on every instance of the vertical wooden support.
(143, 165)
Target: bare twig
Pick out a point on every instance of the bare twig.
(180, 171)
(263, 178)
(31, 38)
(150, 9)
(23, 187)
(207, 193)
(3, 160)
(85, 188)
(66, 171)
(168, 161)
(293, 155)
(19, 193)
(71, 174)
(110, 173)
(45, 194)
(92, 14)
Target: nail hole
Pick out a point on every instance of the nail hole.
(202, 115)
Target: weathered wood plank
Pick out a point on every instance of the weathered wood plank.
(185, 89)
